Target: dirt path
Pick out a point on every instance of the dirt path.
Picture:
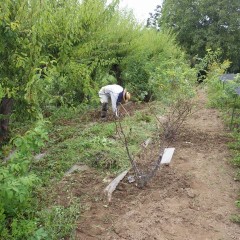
(192, 199)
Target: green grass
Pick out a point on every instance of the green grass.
(60, 221)
(95, 144)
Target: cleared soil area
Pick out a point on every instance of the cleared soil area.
(191, 199)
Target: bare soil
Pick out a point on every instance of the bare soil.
(191, 199)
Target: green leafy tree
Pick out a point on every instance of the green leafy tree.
(43, 48)
(152, 21)
(205, 24)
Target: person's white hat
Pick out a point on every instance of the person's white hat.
(126, 96)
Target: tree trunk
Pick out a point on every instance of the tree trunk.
(117, 72)
(5, 112)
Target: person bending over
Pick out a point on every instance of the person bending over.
(117, 95)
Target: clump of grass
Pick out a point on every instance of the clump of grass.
(235, 218)
(98, 145)
(59, 222)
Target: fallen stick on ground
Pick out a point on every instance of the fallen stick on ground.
(112, 186)
(125, 109)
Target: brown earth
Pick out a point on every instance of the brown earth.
(191, 199)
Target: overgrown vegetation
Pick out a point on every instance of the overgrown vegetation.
(55, 55)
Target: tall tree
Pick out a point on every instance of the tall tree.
(204, 24)
(153, 19)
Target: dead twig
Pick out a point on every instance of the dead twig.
(136, 171)
(125, 109)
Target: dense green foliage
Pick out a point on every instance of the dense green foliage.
(205, 24)
(61, 52)
(17, 184)
(55, 55)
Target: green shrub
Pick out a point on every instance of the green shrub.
(17, 184)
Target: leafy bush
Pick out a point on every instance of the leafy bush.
(17, 184)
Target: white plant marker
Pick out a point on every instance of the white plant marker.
(167, 155)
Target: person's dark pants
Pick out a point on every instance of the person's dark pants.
(104, 110)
